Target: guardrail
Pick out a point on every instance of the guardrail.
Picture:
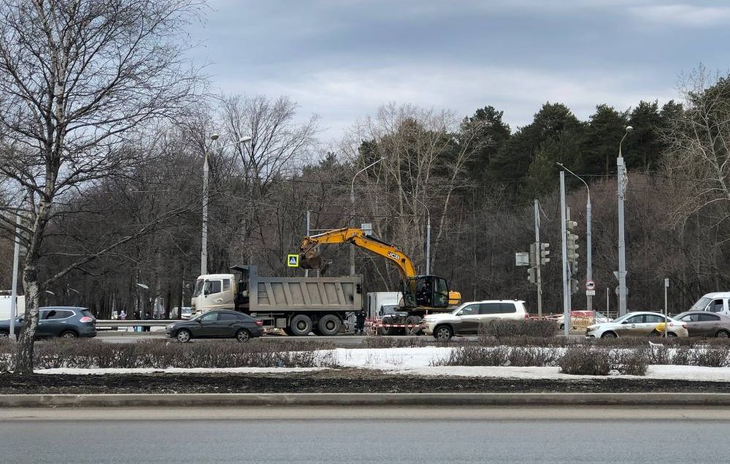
(115, 323)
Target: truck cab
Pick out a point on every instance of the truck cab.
(717, 302)
(213, 291)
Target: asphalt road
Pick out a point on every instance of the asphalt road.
(319, 435)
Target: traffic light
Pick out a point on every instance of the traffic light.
(544, 253)
(533, 254)
(572, 246)
(573, 286)
(532, 275)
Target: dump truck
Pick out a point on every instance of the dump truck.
(297, 305)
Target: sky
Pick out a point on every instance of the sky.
(343, 59)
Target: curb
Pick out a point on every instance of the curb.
(366, 399)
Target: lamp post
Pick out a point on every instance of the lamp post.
(352, 209)
(621, 239)
(589, 252)
(204, 241)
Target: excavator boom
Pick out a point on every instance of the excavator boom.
(424, 292)
(309, 257)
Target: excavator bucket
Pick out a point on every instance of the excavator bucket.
(310, 260)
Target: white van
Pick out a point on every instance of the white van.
(718, 302)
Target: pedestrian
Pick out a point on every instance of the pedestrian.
(123, 315)
(146, 316)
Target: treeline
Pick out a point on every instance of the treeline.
(474, 177)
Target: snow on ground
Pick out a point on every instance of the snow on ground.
(418, 361)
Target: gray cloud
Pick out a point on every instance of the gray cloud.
(343, 59)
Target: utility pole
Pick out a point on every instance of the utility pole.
(538, 259)
(621, 238)
(563, 233)
(306, 271)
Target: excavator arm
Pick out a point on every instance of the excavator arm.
(309, 257)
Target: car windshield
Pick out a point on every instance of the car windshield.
(197, 316)
(600, 315)
(701, 304)
(622, 318)
(199, 284)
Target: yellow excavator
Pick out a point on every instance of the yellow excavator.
(422, 294)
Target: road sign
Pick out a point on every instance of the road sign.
(590, 285)
(522, 259)
(292, 260)
(590, 293)
(617, 292)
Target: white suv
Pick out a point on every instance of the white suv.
(466, 318)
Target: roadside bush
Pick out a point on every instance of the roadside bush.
(475, 356)
(533, 356)
(711, 357)
(538, 328)
(389, 342)
(682, 356)
(499, 356)
(585, 361)
(659, 354)
(160, 354)
(630, 362)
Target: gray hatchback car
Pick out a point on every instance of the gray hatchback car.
(58, 321)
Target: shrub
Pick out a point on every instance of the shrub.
(585, 361)
(388, 342)
(499, 356)
(533, 356)
(160, 354)
(475, 356)
(711, 357)
(682, 356)
(539, 328)
(631, 361)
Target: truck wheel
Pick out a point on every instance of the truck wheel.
(329, 325)
(414, 321)
(300, 324)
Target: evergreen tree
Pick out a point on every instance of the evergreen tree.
(491, 133)
(602, 137)
(512, 162)
(643, 146)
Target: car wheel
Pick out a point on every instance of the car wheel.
(443, 333)
(722, 334)
(4, 334)
(329, 325)
(671, 335)
(243, 335)
(183, 336)
(609, 335)
(414, 321)
(562, 326)
(300, 325)
(69, 334)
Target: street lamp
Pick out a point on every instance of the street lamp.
(352, 209)
(589, 253)
(621, 239)
(204, 242)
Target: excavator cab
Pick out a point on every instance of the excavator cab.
(425, 291)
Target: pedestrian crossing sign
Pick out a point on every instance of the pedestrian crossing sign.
(292, 260)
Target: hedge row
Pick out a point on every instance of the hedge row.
(160, 354)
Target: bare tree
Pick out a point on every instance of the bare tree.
(77, 79)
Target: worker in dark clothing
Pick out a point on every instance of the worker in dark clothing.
(360, 322)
